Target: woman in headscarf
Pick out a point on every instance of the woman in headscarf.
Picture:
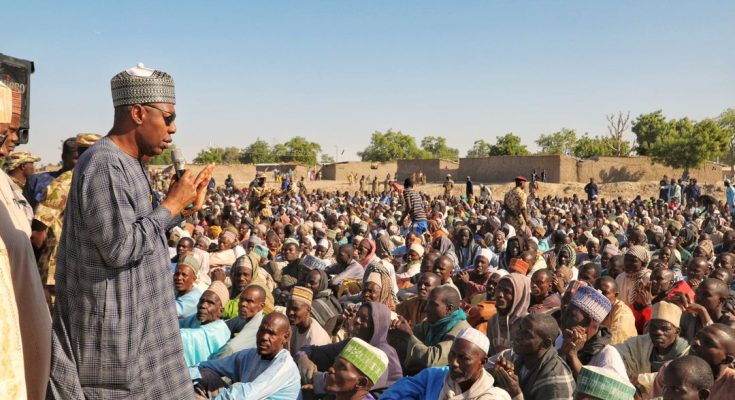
(324, 305)
(632, 281)
(366, 251)
(376, 288)
(246, 271)
(466, 248)
(512, 297)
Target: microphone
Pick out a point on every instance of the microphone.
(179, 162)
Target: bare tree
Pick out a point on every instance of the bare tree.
(617, 125)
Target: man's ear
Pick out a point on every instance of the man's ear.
(703, 394)
(364, 383)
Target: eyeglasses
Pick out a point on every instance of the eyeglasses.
(168, 119)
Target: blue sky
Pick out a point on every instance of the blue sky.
(335, 71)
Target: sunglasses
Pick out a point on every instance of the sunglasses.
(168, 119)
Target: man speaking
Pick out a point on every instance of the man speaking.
(115, 327)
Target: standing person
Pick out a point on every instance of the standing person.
(730, 195)
(19, 167)
(24, 365)
(35, 187)
(591, 189)
(113, 257)
(448, 186)
(49, 219)
(414, 208)
(515, 207)
(469, 190)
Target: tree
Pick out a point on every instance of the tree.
(479, 149)
(687, 145)
(437, 147)
(209, 155)
(326, 159)
(726, 120)
(300, 150)
(165, 158)
(231, 155)
(391, 146)
(616, 127)
(257, 152)
(647, 129)
(588, 147)
(508, 145)
(561, 142)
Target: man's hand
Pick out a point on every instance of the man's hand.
(181, 193)
(644, 296)
(217, 274)
(464, 276)
(402, 325)
(574, 340)
(306, 368)
(202, 182)
(505, 377)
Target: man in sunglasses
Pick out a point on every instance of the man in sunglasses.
(113, 262)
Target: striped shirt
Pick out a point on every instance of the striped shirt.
(415, 205)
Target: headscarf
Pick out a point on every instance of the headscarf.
(569, 249)
(252, 262)
(324, 305)
(519, 308)
(465, 255)
(379, 276)
(381, 316)
(384, 247)
(371, 254)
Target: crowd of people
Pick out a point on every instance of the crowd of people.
(185, 289)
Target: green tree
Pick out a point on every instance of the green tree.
(326, 159)
(726, 120)
(437, 147)
(391, 146)
(231, 155)
(561, 142)
(479, 149)
(165, 158)
(605, 146)
(508, 145)
(647, 129)
(300, 150)
(688, 145)
(257, 152)
(209, 155)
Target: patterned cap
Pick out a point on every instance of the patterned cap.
(592, 302)
(368, 359)
(220, 289)
(640, 253)
(475, 337)
(87, 139)
(603, 384)
(18, 158)
(302, 294)
(141, 85)
(191, 262)
(6, 104)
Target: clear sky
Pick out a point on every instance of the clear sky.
(335, 71)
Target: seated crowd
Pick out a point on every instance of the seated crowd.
(397, 295)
